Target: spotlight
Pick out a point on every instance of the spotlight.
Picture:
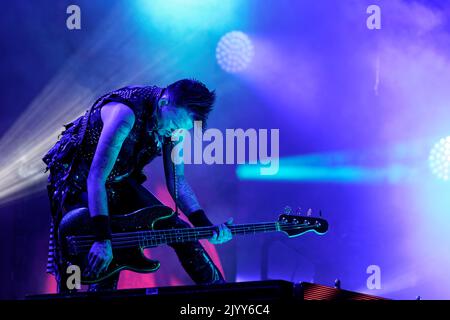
(234, 51)
(67, 96)
(439, 159)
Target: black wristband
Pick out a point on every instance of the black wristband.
(101, 227)
(199, 219)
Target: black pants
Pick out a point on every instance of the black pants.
(131, 196)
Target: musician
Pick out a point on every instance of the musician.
(121, 133)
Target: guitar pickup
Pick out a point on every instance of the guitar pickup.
(71, 246)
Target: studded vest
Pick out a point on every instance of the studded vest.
(70, 159)
(140, 147)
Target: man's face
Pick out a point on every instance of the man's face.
(172, 117)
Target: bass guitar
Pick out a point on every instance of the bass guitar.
(143, 228)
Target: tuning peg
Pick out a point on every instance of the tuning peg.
(309, 212)
(287, 210)
(298, 211)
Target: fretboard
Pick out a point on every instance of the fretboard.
(152, 238)
(159, 237)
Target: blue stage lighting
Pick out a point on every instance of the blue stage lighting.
(439, 159)
(182, 17)
(234, 51)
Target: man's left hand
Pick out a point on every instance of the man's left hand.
(224, 233)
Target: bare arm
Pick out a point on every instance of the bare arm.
(118, 119)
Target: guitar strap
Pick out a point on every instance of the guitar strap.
(175, 185)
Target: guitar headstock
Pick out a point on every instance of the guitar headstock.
(297, 224)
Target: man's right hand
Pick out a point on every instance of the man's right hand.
(99, 258)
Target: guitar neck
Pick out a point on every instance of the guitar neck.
(158, 237)
(290, 225)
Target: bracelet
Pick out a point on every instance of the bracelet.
(101, 227)
(199, 219)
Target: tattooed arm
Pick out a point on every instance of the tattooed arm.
(187, 200)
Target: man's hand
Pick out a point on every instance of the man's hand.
(224, 233)
(99, 258)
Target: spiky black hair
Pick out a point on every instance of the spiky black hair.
(193, 95)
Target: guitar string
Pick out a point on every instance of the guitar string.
(182, 232)
(208, 227)
(194, 230)
(120, 243)
(86, 248)
(124, 245)
(187, 231)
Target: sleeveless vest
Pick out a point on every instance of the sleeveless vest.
(70, 159)
(140, 147)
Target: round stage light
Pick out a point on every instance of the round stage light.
(234, 52)
(439, 159)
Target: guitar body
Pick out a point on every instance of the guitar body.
(78, 223)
